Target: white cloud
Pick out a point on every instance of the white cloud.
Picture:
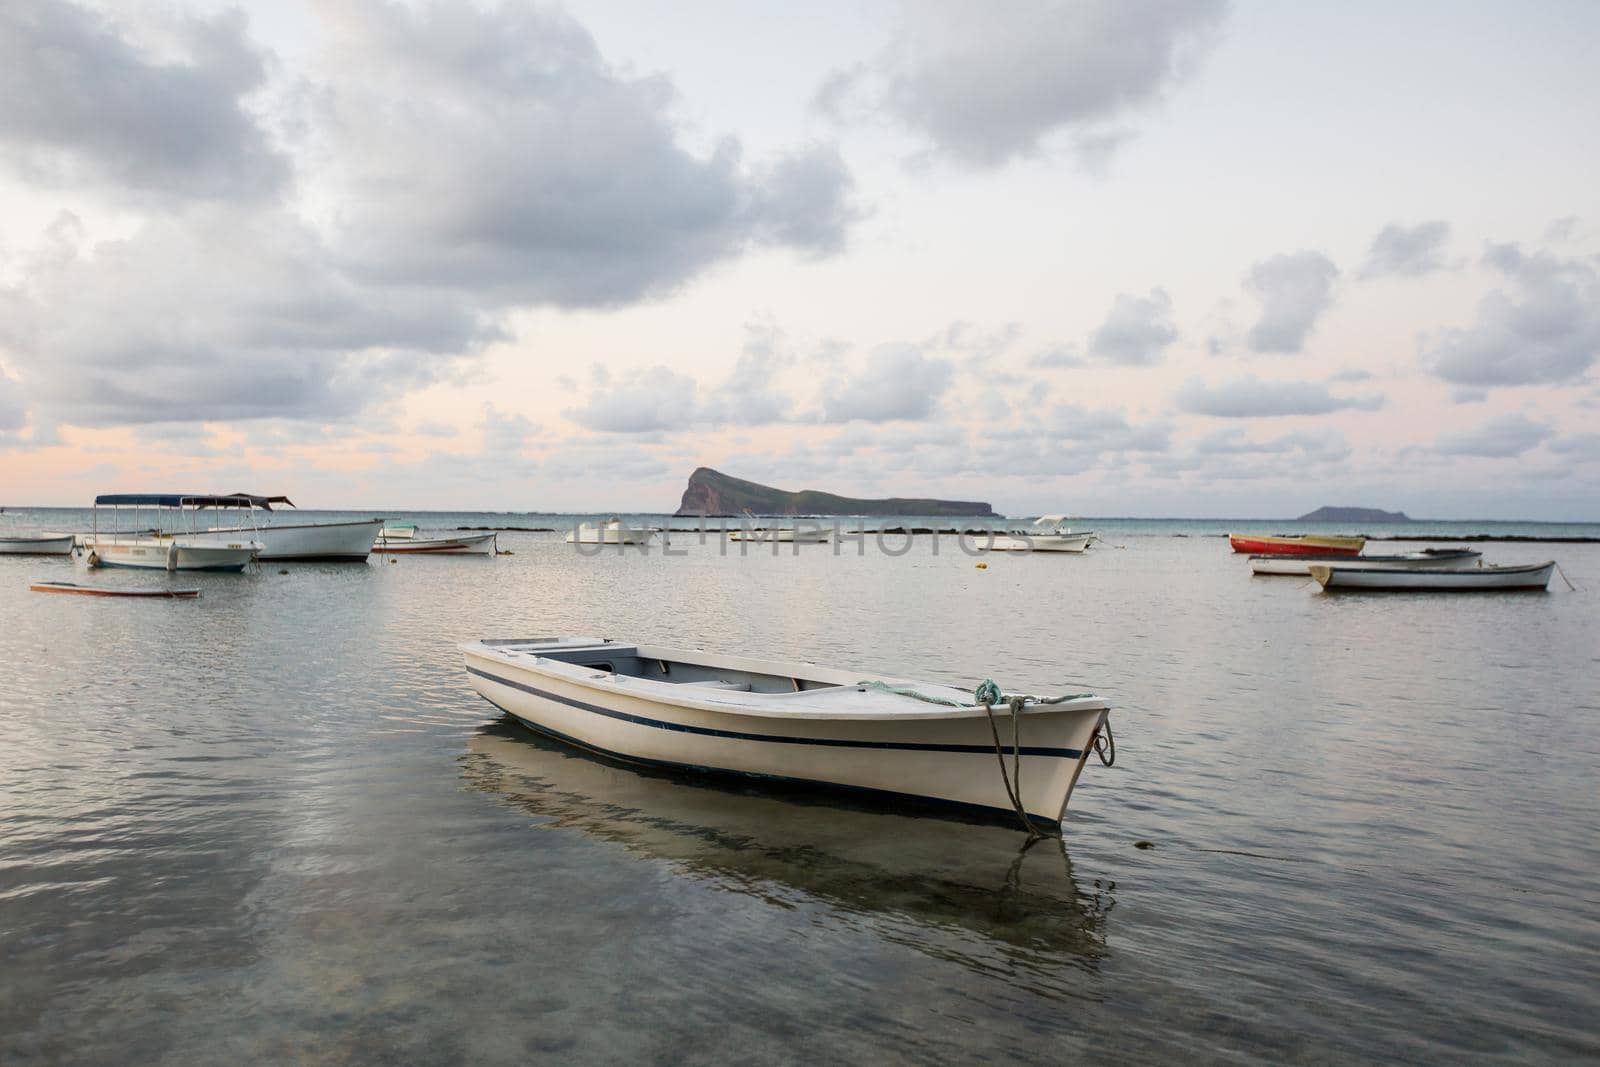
(1546, 329)
(894, 382)
(1408, 251)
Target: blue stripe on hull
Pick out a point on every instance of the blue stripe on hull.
(909, 800)
(777, 739)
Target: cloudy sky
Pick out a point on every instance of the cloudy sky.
(1176, 257)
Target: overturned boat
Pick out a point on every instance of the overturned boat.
(896, 740)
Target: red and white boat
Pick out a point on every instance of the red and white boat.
(1296, 544)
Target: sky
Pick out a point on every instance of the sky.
(1104, 257)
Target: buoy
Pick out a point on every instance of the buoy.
(982, 566)
(283, 572)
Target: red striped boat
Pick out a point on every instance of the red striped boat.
(1296, 544)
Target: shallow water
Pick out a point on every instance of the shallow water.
(276, 823)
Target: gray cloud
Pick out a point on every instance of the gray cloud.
(1408, 251)
(894, 382)
(1546, 329)
(1468, 395)
(1293, 289)
(657, 399)
(533, 171)
(1500, 438)
(984, 90)
(1250, 397)
(13, 412)
(220, 314)
(81, 104)
(1137, 330)
(1582, 447)
(505, 433)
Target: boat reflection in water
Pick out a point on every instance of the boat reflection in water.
(952, 889)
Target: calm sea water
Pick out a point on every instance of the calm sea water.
(276, 824)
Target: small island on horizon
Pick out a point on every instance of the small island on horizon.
(1342, 514)
(710, 492)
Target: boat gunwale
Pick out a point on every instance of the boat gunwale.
(754, 704)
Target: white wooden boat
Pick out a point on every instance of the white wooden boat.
(1053, 535)
(345, 541)
(44, 544)
(1533, 576)
(611, 532)
(784, 535)
(1428, 558)
(101, 590)
(405, 537)
(795, 722)
(174, 543)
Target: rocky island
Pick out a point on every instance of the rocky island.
(710, 492)
(1335, 514)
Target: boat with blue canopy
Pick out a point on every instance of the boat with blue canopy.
(163, 531)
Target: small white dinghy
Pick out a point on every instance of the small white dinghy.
(692, 710)
(1490, 579)
(1428, 558)
(1053, 536)
(44, 544)
(406, 538)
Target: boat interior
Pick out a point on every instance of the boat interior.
(625, 661)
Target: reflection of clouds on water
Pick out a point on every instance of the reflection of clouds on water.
(963, 892)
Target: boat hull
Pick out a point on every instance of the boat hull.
(170, 555)
(471, 545)
(326, 542)
(1300, 566)
(1296, 545)
(946, 759)
(37, 546)
(89, 590)
(781, 537)
(588, 535)
(1037, 543)
(1532, 578)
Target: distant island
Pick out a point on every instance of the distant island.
(711, 492)
(1353, 515)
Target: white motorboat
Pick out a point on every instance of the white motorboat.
(903, 740)
(345, 541)
(405, 537)
(42, 544)
(1428, 558)
(1495, 579)
(168, 545)
(611, 532)
(1053, 535)
(782, 535)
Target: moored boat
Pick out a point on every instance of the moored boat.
(44, 544)
(783, 535)
(1054, 536)
(1489, 579)
(611, 532)
(166, 546)
(1296, 544)
(343, 541)
(768, 719)
(406, 538)
(1300, 566)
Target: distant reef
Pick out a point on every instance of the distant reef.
(711, 492)
(1353, 515)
